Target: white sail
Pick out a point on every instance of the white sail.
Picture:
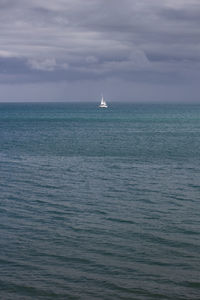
(103, 103)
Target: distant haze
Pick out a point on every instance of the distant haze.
(73, 50)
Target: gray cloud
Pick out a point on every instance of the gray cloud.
(71, 40)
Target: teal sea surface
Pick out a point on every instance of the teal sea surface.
(99, 203)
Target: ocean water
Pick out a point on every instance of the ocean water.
(99, 204)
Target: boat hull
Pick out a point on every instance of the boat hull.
(103, 106)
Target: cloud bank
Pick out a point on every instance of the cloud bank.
(135, 43)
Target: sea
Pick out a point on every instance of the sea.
(99, 203)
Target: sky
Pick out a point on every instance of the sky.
(74, 50)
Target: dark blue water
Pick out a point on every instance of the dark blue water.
(99, 204)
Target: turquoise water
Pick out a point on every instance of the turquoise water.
(99, 204)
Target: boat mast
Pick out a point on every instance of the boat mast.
(102, 100)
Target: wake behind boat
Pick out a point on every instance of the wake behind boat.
(103, 103)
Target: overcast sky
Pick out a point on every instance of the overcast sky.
(72, 50)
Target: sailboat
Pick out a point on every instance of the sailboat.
(103, 103)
